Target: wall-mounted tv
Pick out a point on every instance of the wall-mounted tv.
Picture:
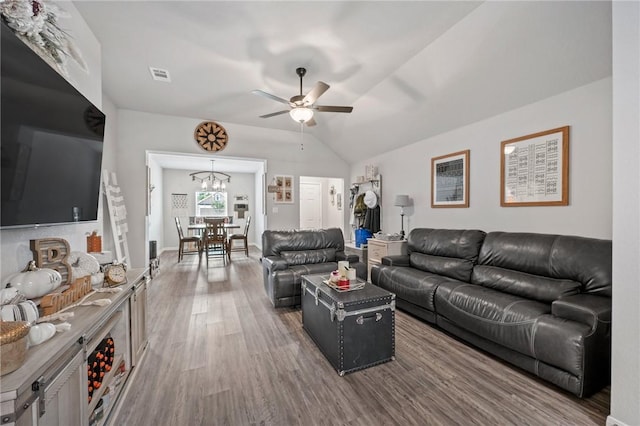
(51, 146)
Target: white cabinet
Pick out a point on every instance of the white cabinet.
(377, 249)
(50, 388)
(61, 392)
(103, 398)
(139, 338)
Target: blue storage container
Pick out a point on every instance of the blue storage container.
(361, 236)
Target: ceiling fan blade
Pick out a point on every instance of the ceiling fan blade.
(311, 122)
(315, 93)
(274, 114)
(270, 96)
(327, 108)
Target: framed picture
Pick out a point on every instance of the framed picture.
(534, 169)
(339, 201)
(450, 180)
(284, 194)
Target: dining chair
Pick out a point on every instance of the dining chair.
(183, 241)
(214, 240)
(240, 237)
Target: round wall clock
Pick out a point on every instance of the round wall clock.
(211, 136)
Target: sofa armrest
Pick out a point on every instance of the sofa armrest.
(398, 260)
(351, 258)
(274, 263)
(585, 308)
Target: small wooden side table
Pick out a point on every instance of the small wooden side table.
(380, 248)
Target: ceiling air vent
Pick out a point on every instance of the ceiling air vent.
(159, 74)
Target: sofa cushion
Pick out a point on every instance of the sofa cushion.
(448, 252)
(313, 268)
(303, 257)
(503, 318)
(409, 284)
(275, 242)
(521, 284)
(584, 260)
(451, 267)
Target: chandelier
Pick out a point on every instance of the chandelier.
(210, 180)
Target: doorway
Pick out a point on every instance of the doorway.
(321, 203)
(310, 205)
(169, 181)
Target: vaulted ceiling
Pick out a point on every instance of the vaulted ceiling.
(411, 70)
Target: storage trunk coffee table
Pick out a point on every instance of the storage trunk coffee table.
(353, 329)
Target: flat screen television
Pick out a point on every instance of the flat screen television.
(51, 146)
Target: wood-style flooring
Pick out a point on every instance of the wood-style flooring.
(220, 354)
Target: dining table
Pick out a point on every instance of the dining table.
(197, 228)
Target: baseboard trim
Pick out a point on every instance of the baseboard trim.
(611, 421)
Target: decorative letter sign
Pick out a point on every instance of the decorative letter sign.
(52, 253)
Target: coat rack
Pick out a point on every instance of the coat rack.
(358, 188)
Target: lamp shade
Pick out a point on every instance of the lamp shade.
(301, 114)
(402, 200)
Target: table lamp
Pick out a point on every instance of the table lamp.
(402, 201)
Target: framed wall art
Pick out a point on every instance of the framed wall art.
(534, 169)
(450, 180)
(285, 189)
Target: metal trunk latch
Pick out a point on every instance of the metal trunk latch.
(332, 311)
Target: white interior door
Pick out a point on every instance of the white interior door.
(310, 205)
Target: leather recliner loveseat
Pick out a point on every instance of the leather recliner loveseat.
(541, 302)
(287, 255)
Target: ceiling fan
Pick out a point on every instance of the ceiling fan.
(301, 106)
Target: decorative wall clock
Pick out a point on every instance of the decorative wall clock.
(211, 136)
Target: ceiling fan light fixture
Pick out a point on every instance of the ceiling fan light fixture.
(301, 114)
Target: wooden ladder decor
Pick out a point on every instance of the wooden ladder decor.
(117, 215)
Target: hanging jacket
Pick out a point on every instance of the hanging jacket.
(372, 219)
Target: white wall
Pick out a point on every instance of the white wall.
(179, 182)
(587, 110)
(158, 198)
(625, 370)
(334, 217)
(139, 132)
(259, 220)
(88, 82)
(14, 245)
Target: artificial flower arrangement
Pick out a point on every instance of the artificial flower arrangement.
(36, 23)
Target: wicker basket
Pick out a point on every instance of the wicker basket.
(13, 345)
(387, 237)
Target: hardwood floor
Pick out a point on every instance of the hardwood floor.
(220, 354)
